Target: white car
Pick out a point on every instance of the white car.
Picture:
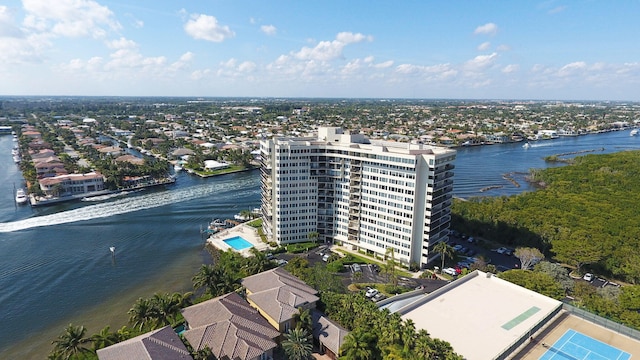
(450, 271)
(371, 293)
(502, 250)
(588, 277)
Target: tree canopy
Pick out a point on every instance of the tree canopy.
(585, 216)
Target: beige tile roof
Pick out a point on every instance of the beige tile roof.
(329, 333)
(229, 327)
(162, 344)
(278, 293)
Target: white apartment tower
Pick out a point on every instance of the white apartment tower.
(370, 195)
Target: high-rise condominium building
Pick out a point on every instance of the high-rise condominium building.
(369, 195)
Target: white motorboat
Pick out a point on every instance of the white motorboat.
(634, 132)
(21, 196)
(526, 145)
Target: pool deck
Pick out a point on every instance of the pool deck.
(244, 231)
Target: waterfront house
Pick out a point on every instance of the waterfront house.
(130, 159)
(72, 184)
(277, 295)
(230, 328)
(161, 344)
(49, 167)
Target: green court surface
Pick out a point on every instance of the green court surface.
(520, 318)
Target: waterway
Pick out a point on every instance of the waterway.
(56, 267)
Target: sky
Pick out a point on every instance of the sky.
(474, 49)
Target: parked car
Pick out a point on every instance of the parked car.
(457, 247)
(377, 297)
(588, 277)
(371, 293)
(356, 268)
(450, 271)
(501, 250)
(471, 239)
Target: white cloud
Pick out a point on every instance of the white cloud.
(484, 46)
(69, 18)
(183, 62)
(481, 62)
(432, 72)
(511, 68)
(486, 29)
(504, 47)
(234, 68)
(199, 74)
(8, 27)
(330, 50)
(383, 65)
(350, 38)
(268, 29)
(206, 27)
(351, 67)
(246, 66)
(572, 68)
(121, 43)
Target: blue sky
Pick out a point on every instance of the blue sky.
(559, 50)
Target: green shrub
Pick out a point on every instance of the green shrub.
(336, 266)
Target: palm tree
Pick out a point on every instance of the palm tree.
(164, 309)
(214, 279)
(258, 262)
(422, 348)
(297, 344)
(357, 345)
(444, 250)
(303, 319)
(313, 236)
(389, 268)
(141, 315)
(71, 342)
(104, 338)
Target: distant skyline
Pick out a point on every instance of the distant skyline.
(475, 49)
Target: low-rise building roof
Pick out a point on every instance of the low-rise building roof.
(330, 334)
(229, 327)
(162, 344)
(278, 293)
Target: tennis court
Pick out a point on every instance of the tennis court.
(576, 346)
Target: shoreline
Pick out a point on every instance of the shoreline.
(111, 311)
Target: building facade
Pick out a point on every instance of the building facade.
(370, 195)
(72, 184)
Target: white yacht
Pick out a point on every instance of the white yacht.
(21, 196)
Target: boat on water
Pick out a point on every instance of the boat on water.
(526, 145)
(16, 159)
(177, 167)
(21, 196)
(634, 132)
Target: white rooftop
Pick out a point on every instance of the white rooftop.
(480, 314)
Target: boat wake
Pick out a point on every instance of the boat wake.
(127, 205)
(542, 145)
(106, 197)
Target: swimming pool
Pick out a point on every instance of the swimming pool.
(237, 243)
